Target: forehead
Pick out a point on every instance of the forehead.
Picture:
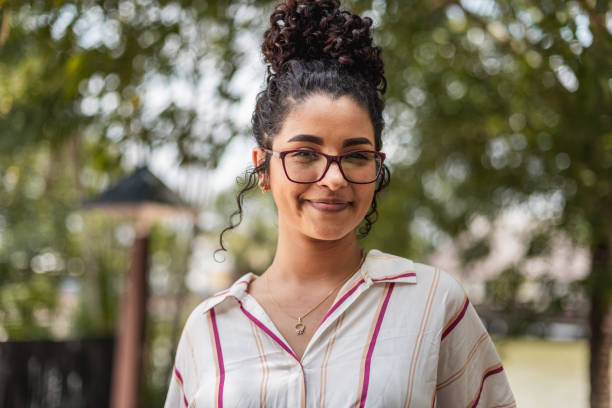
(332, 120)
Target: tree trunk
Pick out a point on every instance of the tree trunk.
(601, 326)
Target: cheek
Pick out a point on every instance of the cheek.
(286, 194)
(366, 195)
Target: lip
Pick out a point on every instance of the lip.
(329, 205)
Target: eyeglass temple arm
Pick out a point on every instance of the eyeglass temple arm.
(272, 152)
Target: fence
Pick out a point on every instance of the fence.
(54, 374)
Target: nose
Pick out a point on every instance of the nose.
(333, 178)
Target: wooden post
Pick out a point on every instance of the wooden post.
(127, 362)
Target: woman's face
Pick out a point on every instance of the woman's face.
(331, 208)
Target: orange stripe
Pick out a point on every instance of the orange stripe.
(460, 372)
(262, 360)
(214, 352)
(303, 399)
(508, 405)
(367, 344)
(322, 380)
(420, 334)
(265, 395)
(267, 366)
(193, 359)
(326, 357)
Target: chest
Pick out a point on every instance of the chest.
(296, 329)
(297, 333)
(296, 319)
(364, 354)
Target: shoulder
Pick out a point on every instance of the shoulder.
(217, 301)
(199, 312)
(444, 289)
(196, 326)
(203, 319)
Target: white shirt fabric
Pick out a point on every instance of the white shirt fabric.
(399, 334)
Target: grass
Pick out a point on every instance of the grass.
(545, 373)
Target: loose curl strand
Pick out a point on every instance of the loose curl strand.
(372, 214)
(250, 182)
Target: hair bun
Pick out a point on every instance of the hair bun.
(320, 30)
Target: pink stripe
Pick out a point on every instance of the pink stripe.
(366, 374)
(354, 288)
(488, 374)
(269, 332)
(404, 275)
(457, 320)
(213, 320)
(178, 374)
(223, 292)
(180, 377)
(341, 300)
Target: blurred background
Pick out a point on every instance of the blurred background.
(125, 123)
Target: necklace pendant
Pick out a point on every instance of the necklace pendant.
(299, 327)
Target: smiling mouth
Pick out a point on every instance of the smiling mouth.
(329, 206)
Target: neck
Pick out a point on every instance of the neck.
(305, 262)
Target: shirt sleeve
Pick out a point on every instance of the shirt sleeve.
(470, 372)
(176, 397)
(185, 377)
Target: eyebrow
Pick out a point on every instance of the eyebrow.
(319, 140)
(356, 141)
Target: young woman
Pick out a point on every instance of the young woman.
(327, 324)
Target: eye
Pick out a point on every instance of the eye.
(304, 157)
(357, 156)
(359, 159)
(305, 154)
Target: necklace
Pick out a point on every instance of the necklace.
(299, 326)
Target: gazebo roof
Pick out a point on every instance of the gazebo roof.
(138, 188)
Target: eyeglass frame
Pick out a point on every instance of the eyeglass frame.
(330, 159)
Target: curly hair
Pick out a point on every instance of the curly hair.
(315, 47)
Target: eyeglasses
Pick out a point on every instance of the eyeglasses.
(307, 166)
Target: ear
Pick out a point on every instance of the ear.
(259, 157)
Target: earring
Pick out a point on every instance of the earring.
(263, 185)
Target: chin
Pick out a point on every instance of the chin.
(328, 233)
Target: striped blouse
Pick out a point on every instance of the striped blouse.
(399, 334)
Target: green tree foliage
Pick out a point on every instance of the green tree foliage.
(502, 104)
(67, 66)
(491, 104)
(45, 247)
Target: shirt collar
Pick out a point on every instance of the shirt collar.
(377, 267)
(237, 290)
(381, 267)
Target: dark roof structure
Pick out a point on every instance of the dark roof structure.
(138, 188)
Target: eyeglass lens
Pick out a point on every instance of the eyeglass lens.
(307, 166)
